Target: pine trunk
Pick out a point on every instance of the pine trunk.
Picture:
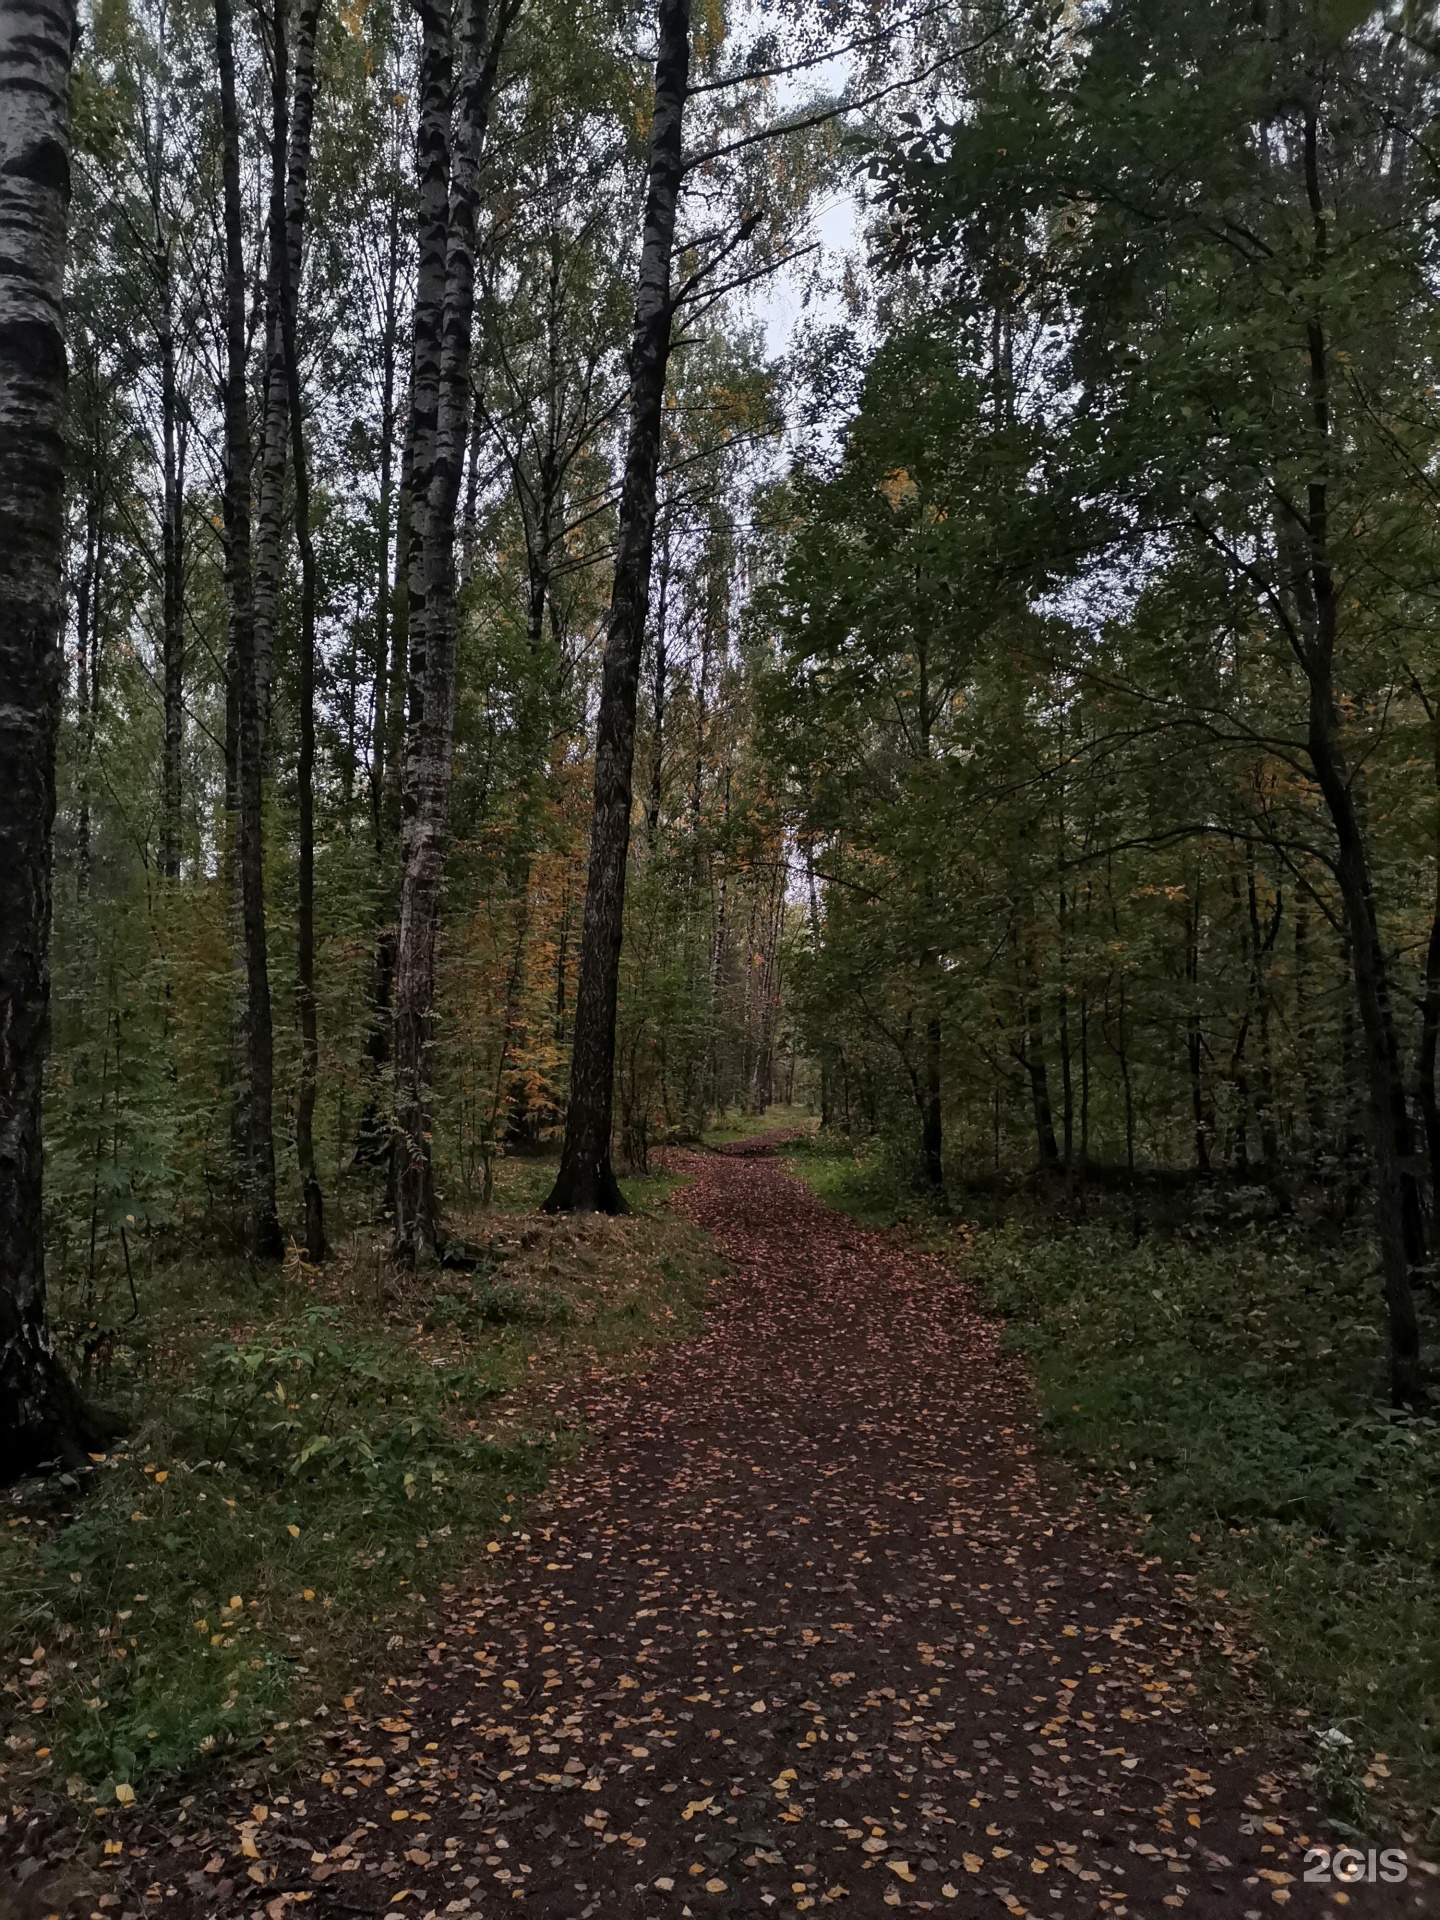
(586, 1181)
(41, 1414)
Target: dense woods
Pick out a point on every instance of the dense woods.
(350, 323)
(531, 648)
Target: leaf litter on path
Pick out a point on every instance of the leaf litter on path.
(806, 1628)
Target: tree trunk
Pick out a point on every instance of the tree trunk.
(374, 1133)
(261, 1228)
(1390, 1130)
(658, 688)
(1305, 1033)
(1033, 1056)
(440, 413)
(42, 1415)
(1262, 943)
(1425, 1060)
(172, 631)
(1195, 1035)
(380, 709)
(274, 421)
(1318, 598)
(87, 631)
(296, 193)
(586, 1181)
(1036, 1067)
(931, 1127)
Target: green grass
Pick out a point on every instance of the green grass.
(863, 1181)
(312, 1459)
(726, 1128)
(1227, 1386)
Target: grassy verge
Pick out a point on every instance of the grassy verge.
(1226, 1384)
(726, 1128)
(312, 1458)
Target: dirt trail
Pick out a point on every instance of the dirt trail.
(806, 1629)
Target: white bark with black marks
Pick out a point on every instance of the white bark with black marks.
(449, 148)
(41, 1414)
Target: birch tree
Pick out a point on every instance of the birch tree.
(453, 121)
(41, 1413)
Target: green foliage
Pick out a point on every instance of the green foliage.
(1221, 1384)
(493, 1302)
(299, 1485)
(872, 1178)
(1226, 1385)
(287, 1494)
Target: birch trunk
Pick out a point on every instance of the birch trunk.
(440, 417)
(270, 495)
(261, 1222)
(87, 633)
(41, 1413)
(586, 1181)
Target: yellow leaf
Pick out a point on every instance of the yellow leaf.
(292, 1529)
(125, 1793)
(973, 1863)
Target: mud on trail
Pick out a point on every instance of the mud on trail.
(807, 1628)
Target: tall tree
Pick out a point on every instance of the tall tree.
(451, 136)
(41, 1413)
(261, 1219)
(586, 1180)
(297, 183)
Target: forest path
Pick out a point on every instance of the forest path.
(806, 1627)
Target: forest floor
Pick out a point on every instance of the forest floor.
(809, 1624)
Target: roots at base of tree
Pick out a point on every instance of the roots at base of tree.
(588, 1188)
(52, 1424)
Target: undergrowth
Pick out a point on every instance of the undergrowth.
(1227, 1383)
(312, 1458)
(726, 1128)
